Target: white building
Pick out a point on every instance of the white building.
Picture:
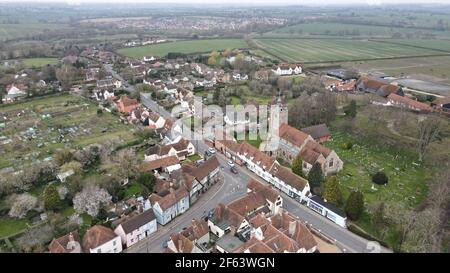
(328, 210)
(287, 69)
(100, 239)
(136, 228)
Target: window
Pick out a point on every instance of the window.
(99, 250)
(331, 163)
(114, 243)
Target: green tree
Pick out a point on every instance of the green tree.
(332, 192)
(350, 111)
(297, 165)
(51, 197)
(355, 205)
(148, 180)
(315, 177)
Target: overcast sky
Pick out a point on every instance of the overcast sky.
(253, 2)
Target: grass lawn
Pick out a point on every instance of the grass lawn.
(186, 47)
(68, 211)
(194, 157)
(10, 226)
(39, 62)
(254, 142)
(326, 50)
(132, 189)
(406, 178)
(87, 219)
(247, 94)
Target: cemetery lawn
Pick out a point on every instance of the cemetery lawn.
(407, 178)
(34, 128)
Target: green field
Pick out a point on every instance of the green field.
(431, 44)
(333, 50)
(351, 30)
(186, 47)
(39, 62)
(14, 31)
(75, 115)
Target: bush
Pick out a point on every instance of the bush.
(347, 146)
(99, 111)
(380, 178)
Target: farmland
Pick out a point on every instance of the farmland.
(443, 45)
(430, 68)
(354, 30)
(36, 129)
(39, 62)
(333, 50)
(185, 47)
(14, 31)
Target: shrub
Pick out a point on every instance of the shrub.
(380, 178)
(348, 146)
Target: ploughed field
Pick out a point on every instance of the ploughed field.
(334, 50)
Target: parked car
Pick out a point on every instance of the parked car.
(231, 163)
(234, 170)
(212, 150)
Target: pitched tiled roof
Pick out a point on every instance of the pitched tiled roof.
(292, 135)
(153, 116)
(317, 131)
(97, 236)
(196, 230)
(170, 199)
(256, 156)
(159, 163)
(61, 244)
(409, 102)
(442, 101)
(182, 244)
(138, 221)
(288, 177)
(206, 168)
(127, 101)
(226, 217)
(254, 246)
(299, 232)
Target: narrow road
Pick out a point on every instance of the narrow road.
(233, 187)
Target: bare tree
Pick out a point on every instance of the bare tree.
(91, 200)
(22, 204)
(428, 131)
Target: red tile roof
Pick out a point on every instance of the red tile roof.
(97, 236)
(407, 102)
(292, 135)
(159, 163)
